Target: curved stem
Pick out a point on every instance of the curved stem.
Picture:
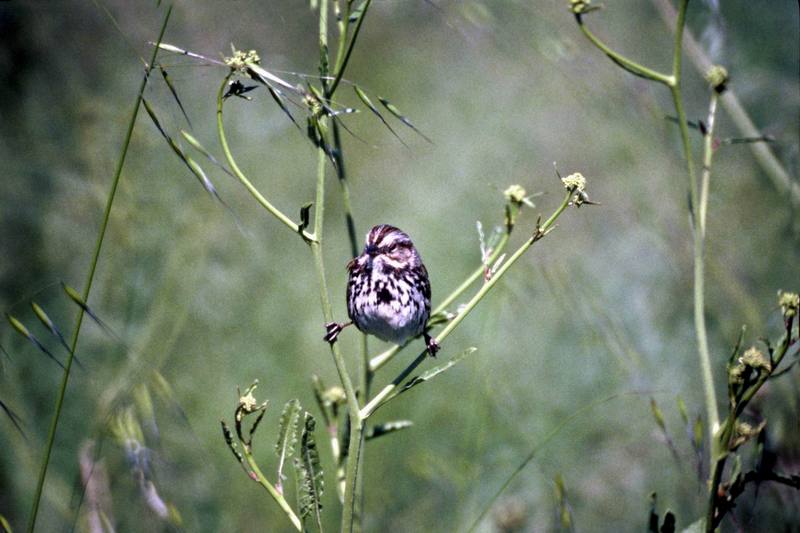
(627, 64)
(540, 232)
(763, 153)
(262, 480)
(90, 278)
(277, 213)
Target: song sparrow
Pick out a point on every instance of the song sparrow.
(388, 293)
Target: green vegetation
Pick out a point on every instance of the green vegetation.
(599, 380)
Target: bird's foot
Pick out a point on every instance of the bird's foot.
(332, 330)
(432, 345)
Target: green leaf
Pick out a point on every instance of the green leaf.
(308, 472)
(174, 92)
(435, 371)
(276, 95)
(196, 169)
(261, 75)
(396, 112)
(200, 148)
(367, 102)
(287, 436)
(380, 430)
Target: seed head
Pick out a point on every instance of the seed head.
(240, 58)
(717, 77)
(755, 359)
(575, 181)
(516, 194)
(789, 302)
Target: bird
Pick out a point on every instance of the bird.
(388, 290)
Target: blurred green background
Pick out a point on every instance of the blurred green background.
(213, 299)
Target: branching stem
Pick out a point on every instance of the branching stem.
(266, 204)
(541, 231)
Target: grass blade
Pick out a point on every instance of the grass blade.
(435, 371)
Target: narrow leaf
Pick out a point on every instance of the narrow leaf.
(435, 371)
(259, 74)
(367, 102)
(188, 161)
(202, 149)
(174, 92)
(287, 436)
(308, 471)
(276, 95)
(396, 112)
(175, 50)
(380, 430)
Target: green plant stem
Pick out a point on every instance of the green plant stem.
(341, 61)
(698, 233)
(764, 155)
(262, 480)
(540, 232)
(356, 423)
(708, 155)
(627, 64)
(277, 213)
(89, 280)
(350, 511)
(673, 81)
(377, 362)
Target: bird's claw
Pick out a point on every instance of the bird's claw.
(432, 345)
(332, 330)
